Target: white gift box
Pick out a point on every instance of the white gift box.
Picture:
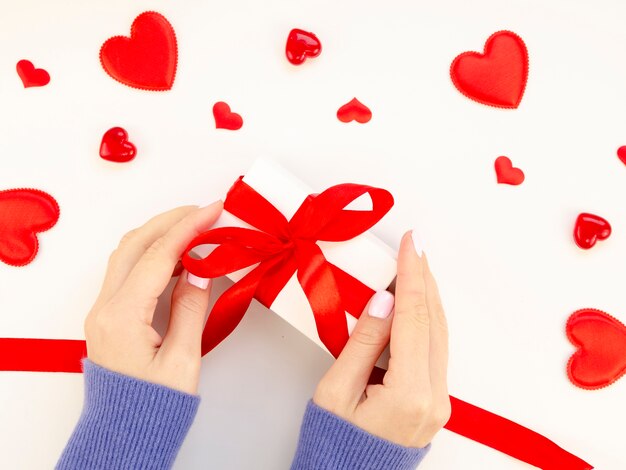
(365, 257)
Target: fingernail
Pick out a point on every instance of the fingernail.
(199, 282)
(417, 243)
(381, 304)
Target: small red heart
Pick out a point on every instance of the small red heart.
(354, 111)
(148, 58)
(224, 118)
(301, 45)
(23, 214)
(621, 154)
(600, 358)
(30, 75)
(589, 229)
(506, 173)
(498, 76)
(115, 146)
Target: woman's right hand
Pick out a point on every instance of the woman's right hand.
(412, 403)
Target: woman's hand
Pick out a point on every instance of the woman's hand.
(412, 403)
(119, 329)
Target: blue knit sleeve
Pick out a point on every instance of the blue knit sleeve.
(127, 423)
(329, 442)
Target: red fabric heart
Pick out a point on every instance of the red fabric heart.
(589, 229)
(498, 76)
(31, 76)
(300, 45)
(225, 118)
(115, 146)
(23, 214)
(621, 154)
(354, 111)
(148, 58)
(506, 173)
(600, 359)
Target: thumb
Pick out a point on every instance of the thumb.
(354, 365)
(190, 301)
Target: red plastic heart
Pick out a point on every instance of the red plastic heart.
(302, 45)
(354, 110)
(225, 118)
(115, 146)
(31, 76)
(621, 154)
(589, 229)
(506, 173)
(498, 76)
(23, 214)
(148, 58)
(600, 359)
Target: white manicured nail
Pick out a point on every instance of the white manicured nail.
(381, 304)
(199, 282)
(417, 243)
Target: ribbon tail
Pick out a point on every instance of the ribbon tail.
(42, 355)
(510, 438)
(354, 294)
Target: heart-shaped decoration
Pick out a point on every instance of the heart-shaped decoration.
(302, 45)
(589, 229)
(225, 118)
(148, 58)
(31, 76)
(115, 146)
(506, 173)
(621, 154)
(498, 76)
(354, 110)
(600, 359)
(23, 214)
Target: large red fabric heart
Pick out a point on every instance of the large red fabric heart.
(600, 359)
(621, 154)
(354, 110)
(498, 76)
(300, 45)
(23, 214)
(225, 118)
(589, 229)
(31, 76)
(115, 146)
(148, 58)
(506, 173)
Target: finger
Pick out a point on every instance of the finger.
(190, 301)
(134, 244)
(438, 336)
(352, 369)
(153, 271)
(410, 330)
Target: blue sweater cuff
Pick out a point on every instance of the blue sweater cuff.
(127, 423)
(329, 442)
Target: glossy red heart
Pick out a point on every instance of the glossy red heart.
(115, 146)
(589, 229)
(506, 173)
(225, 118)
(498, 76)
(31, 76)
(148, 58)
(621, 154)
(23, 214)
(354, 110)
(302, 45)
(600, 359)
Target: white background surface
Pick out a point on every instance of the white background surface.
(507, 266)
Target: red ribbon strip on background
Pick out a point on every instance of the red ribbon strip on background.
(281, 248)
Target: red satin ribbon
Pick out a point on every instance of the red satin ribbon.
(281, 248)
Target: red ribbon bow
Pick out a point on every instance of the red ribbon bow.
(282, 248)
